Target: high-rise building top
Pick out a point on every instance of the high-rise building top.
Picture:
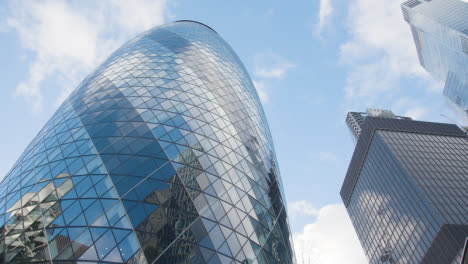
(405, 191)
(440, 33)
(161, 155)
(355, 120)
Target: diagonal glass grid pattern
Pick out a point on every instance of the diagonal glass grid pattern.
(162, 155)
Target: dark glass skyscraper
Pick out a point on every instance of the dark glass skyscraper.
(162, 155)
(405, 191)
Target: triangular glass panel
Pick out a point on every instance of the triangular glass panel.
(97, 232)
(224, 249)
(74, 232)
(107, 203)
(66, 254)
(79, 221)
(114, 256)
(208, 224)
(101, 221)
(89, 254)
(123, 223)
(206, 253)
(52, 232)
(58, 221)
(91, 193)
(85, 203)
(105, 244)
(120, 234)
(70, 194)
(214, 260)
(206, 242)
(225, 221)
(225, 260)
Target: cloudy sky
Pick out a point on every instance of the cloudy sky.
(311, 62)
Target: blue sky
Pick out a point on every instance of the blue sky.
(311, 62)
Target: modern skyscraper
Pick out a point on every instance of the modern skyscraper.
(440, 33)
(405, 191)
(162, 155)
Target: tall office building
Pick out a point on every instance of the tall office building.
(406, 191)
(440, 33)
(162, 155)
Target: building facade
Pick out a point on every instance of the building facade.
(440, 33)
(405, 191)
(161, 155)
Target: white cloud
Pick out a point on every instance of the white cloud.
(330, 239)
(270, 65)
(325, 11)
(301, 208)
(435, 86)
(136, 16)
(416, 112)
(278, 72)
(68, 39)
(416, 108)
(379, 53)
(327, 156)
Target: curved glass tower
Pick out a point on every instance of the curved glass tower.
(162, 155)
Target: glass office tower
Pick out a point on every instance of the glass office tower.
(162, 155)
(440, 33)
(405, 191)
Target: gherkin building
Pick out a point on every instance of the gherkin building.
(161, 155)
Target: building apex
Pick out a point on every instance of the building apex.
(355, 120)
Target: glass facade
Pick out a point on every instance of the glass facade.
(440, 33)
(405, 191)
(162, 155)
